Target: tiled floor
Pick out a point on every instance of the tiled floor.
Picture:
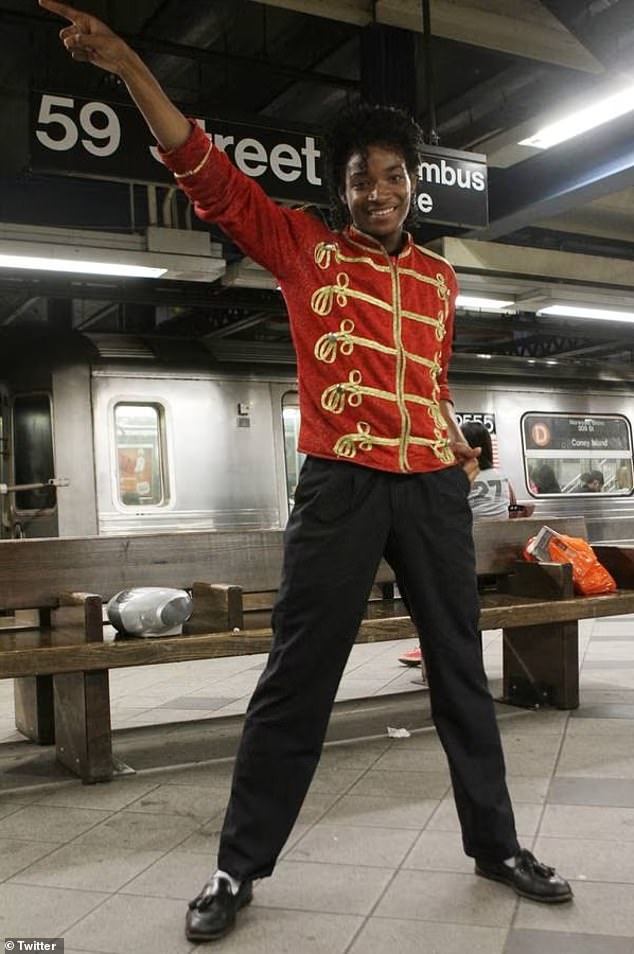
(374, 863)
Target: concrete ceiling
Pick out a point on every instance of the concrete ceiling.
(502, 68)
(519, 27)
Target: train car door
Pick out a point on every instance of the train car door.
(32, 511)
(4, 461)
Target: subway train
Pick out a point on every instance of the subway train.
(105, 434)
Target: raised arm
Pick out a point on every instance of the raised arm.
(218, 190)
(89, 40)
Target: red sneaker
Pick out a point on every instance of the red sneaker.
(413, 657)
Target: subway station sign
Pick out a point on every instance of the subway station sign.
(74, 136)
(453, 188)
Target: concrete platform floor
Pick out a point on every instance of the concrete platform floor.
(374, 863)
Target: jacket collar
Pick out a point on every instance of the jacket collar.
(371, 244)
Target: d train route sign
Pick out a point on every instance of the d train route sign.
(576, 434)
(540, 434)
(75, 136)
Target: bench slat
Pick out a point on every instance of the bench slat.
(167, 649)
(34, 572)
(524, 611)
(499, 611)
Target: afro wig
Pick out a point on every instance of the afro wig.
(355, 130)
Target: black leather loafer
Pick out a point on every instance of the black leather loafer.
(212, 914)
(529, 878)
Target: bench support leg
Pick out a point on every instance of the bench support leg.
(82, 719)
(541, 665)
(33, 696)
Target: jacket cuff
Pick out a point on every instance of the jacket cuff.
(182, 159)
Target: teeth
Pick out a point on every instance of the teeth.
(382, 212)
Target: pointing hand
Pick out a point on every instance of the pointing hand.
(88, 39)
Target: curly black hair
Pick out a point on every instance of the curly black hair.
(356, 129)
(476, 435)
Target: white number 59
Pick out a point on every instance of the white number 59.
(108, 136)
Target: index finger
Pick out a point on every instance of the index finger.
(62, 9)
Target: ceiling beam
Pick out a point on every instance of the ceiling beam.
(97, 315)
(614, 346)
(611, 218)
(234, 326)
(179, 294)
(14, 306)
(561, 179)
(517, 27)
(608, 278)
(543, 328)
(605, 28)
(156, 46)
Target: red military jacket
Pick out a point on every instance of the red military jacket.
(372, 331)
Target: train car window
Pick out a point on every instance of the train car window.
(140, 457)
(292, 456)
(577, 454)
(33, 460)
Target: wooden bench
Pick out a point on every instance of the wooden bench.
(60, 663)
(61, 667)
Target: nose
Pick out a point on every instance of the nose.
(375, 191)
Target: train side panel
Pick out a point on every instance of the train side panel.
(149, 446)
(509, 401)
(217, 447)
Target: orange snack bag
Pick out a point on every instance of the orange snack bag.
(588, 575)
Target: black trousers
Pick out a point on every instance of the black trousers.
(345, 518)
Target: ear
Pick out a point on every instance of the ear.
(344, 202)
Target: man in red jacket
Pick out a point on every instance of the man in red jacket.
(387, 473)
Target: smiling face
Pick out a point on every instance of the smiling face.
(377, 191)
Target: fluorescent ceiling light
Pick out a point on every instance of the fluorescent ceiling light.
(577, 311)
(583, 120)
(82, 267)
(483, 304)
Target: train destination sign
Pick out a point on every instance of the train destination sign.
(578, 434)
(71, 135)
